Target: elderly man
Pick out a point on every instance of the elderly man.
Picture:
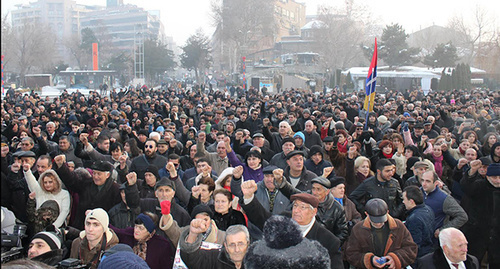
(311, 136)
(96, 190)
(451, 255)
(230, 256)
(218, 159)
(279, 159)
(304, 210)
(380, 241)
(275, 138)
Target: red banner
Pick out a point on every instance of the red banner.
(95, 57)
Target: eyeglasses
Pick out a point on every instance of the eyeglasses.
(240, 245)
(360, 128)
(149, 146)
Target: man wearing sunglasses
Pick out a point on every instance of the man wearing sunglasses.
(150, 157)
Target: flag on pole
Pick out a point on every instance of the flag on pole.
(371, 82)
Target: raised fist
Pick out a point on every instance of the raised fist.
(122, 159)
(32, 195)
(26, 167)
(60, 160)
(248, 188)
(37, 131)
(327, 171)
(189, 143)
(238, 171)
(198, 226)
(278, 175)
(475, 165)
(195, 191)
(462, 162)
(202, 137)
(84, 138)
(165, 207)
(170, 167)
(131, 178)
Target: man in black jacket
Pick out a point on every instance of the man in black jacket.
(304, 210)
(382, 186)
(141, 162)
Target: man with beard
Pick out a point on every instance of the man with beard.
(141, 162)
(383, 186)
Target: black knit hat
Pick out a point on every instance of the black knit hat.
(52, 239)
(284, 247)
(287, 139)
(154, 170)
(201, 208)
(315, 149)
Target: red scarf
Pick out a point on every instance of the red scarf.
(342, 148)
(388, 156)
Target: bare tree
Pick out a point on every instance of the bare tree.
(243, 27)
(31, 48)
(471, 34)
(339, 34)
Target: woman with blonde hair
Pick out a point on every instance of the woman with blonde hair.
(357, 170)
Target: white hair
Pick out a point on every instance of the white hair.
(51, 123)
(155, 135)
(445, 236)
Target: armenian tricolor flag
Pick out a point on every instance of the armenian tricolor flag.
(371, 82)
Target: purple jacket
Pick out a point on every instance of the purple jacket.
(248, 173)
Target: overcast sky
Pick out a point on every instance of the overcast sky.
(182, 18)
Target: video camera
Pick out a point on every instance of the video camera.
(11, 244)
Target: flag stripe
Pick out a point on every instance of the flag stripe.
(371, 82)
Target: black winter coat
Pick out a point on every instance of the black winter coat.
(436, 260)
(390, 192)
(121, 217)
(90, 195)
(233, 217)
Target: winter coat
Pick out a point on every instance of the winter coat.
(437, 260)
(330, 212)
(304, 181)
(389, 191)
(91, 196)
(482, 229)
(420, 223)
(447, 211)
(122, 217)
(258, 216)
(17, 194)
(248, 173)
(141, 162)
(279, 159)
(160, 252)
(80, 248)
(233, 217)
(400, 246)
(318, 168)
(338, 160)
(281, 202)
(51, 258)
(196, 257)
(312, 139)
(59, 195)
(36, 220)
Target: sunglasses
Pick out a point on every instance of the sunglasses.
(149, 146)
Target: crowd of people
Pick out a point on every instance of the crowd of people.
(192, 178)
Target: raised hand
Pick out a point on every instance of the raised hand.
(474, 166)
(238, 171)
(278, 176)
(37, 131)
(462, 162)
(197, 226)
(32, 195)
(165, 207)
(60, 160)
(26, 167)
(131, 178)
(248, 188)
(84, 139)
(196, 191)
(327, 171)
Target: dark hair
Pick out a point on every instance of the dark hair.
(101, 138)
(383, 163)
(115, 146)
(201, 160)
(173, 156)
(208, 181)
(45, 157)
(253, 153)
(414, 193)
(151, 139)
(385, 143)
(224, 192)
(414, 149)
(134, 149)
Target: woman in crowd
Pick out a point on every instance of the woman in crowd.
(224, 214)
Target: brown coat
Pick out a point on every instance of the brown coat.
(400, 245)
(81, 251)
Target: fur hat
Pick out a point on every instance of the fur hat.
(284, 247)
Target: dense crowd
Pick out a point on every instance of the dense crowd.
(172, 177)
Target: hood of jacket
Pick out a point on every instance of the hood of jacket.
(55, 176)
(492, 153)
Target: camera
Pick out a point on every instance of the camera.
(11, 244)
(72, 263)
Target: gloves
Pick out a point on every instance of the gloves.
(365, 135)
(165, 207)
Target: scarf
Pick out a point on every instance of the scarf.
(438, 165)
(340, 200)
(141, 248)
(388, 156)
(342, 147)
(461, 151)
